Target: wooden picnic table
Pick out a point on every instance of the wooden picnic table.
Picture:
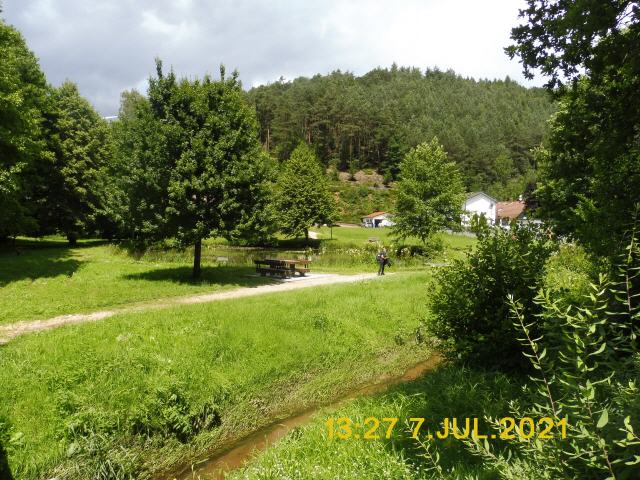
(282, 268)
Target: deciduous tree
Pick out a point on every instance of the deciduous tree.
(22, 95)
(303, 197)
(208, 177)
(79, 147)
(430, 192)
(590, 172)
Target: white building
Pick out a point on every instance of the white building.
(377, 219)
(479, 203)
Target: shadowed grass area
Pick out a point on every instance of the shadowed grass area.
(140, 392)
(45, 282)
(48, 278)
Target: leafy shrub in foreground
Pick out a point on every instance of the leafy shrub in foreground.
(569, 273)
(587, 368)
(469, 308)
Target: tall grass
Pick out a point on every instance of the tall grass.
(308, 453)
(138, 393)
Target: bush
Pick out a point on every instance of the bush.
(569, 273)
(469, 308)
(587, 367)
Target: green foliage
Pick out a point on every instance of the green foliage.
(590, 172)
(378, 117)
(167, 412)
(429, 193)
(22, 99)
(561, 36)
(201, 172)
(569, 273)
(586, 368)
(356, 201)
(67, 194)
(303, 197)
(470, 312)
(479, 224)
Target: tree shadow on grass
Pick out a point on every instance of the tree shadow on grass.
(453, 392)
(218, 275)
(298, 243)
(5, 471)
(34, 264)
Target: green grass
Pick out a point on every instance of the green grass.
(308, 453)
(48, 278)
(358, 235)
(137, 393)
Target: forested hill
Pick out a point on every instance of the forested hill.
(488, 127)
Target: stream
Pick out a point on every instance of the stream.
(236, 454)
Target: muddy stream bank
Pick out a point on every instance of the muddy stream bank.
(235, 454)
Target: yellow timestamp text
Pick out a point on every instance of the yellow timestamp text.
(374, 428)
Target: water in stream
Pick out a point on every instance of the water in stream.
(237, 454)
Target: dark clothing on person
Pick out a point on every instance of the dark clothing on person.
(382, 260)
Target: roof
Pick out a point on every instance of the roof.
(474, 194)
(509, 209)
(374, 214)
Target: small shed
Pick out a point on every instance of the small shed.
(377, 220)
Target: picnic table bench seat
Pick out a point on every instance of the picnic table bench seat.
(282, 268)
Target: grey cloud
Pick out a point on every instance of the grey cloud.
(109, 46)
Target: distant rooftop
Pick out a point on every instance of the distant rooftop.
(509, 209)
(374, 214)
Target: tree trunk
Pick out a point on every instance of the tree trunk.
(72, 238)
(197, 256)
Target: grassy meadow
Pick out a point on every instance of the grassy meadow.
(141, 392)
(49, 278)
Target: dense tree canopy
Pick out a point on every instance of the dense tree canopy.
(303, 197)
(590, 175)
(430, 192)
(196, 167)
(22, 99)
(487, 127)
(69, 177)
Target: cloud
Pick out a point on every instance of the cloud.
(107, 47)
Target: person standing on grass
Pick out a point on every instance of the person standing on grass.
(383, 259)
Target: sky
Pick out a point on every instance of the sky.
(108, 46)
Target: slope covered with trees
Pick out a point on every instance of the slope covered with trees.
(487, 127)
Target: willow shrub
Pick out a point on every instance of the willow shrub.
(469, 309)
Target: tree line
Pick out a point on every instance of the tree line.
(183, 162)
(488, 127)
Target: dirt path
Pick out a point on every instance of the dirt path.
(8, 332)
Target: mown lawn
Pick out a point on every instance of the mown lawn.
(140, 392)
(308, 453)
(360, 235)
(48, 278)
